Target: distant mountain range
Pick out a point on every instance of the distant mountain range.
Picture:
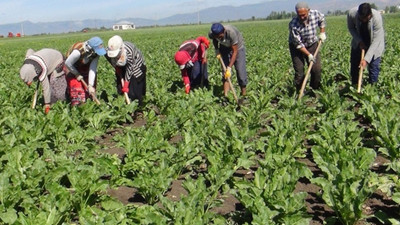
(215, 14)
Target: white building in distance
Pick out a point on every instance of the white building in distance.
(124, 25)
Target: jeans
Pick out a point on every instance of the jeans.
(196, 74)
(373, 67)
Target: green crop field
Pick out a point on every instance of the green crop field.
(55, 169)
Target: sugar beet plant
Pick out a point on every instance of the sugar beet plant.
(347, 180)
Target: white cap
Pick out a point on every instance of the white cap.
(114, 46)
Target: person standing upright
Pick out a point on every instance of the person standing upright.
(303, 43)
(366, 28)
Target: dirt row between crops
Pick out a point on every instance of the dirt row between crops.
(231, 208)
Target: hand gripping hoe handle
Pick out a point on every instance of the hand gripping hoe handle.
(127, 100)
(303, 85)
(93, 96)
(229, 79)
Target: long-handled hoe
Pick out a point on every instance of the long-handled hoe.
(303, 85)
(35, 95)
(93, 96)
(203, 68)
(360, 73)
(229, 81)
(127, 100)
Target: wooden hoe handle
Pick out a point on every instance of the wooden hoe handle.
(229, 79)
(303, 85)
(35, 95)
(360, 73)
(93, 96)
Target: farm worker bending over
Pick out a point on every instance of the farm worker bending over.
(81, 62)
(365, 26)
(46, 67)
(191, 59)
(130, 68)
(303, 42)
(229, 44)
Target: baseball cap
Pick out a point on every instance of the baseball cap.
(97, 45)
(217, 28)
(114, 46)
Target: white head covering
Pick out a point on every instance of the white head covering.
(29, 52)
(27, 73)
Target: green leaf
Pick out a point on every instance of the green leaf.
(9, 217)
(111, 205)
(396, 197)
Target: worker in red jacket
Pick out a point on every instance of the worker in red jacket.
(192, 61)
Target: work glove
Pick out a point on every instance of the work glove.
(311, 58)
(46, 109)
(228, 72)
(79, 77)
(125, 88)
(322, 36)
(187, 88)
(92, 90)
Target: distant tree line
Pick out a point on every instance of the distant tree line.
(287, 15)
(280, 15)
(392, 9)
(388, 9)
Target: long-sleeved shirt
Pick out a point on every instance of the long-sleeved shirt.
(303, 35)
(376, 32)
(82, 62)
(196, 51)
(50, 61)
(134, 61)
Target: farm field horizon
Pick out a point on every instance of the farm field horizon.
(332, 158)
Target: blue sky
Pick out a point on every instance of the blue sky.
(14, 11)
